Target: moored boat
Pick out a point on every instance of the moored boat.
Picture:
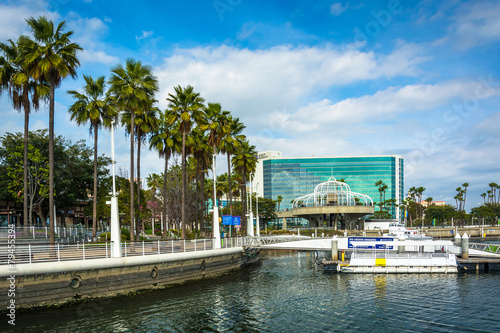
(408, 256)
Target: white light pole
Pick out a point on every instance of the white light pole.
(115, 223)
(250, 215)
(215, 213)
(257, 226)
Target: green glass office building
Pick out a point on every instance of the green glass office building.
(293, 177)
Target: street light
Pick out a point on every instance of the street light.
(115, 223)
(215, 213)
(250, 231)
(257, 227)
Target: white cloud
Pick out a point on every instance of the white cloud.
(256, 82)
(476, 24)
(98, 56)
(381, 105)
(337, 8)
(145, 34)
(13, 22)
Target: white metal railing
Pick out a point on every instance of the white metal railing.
(31, 253)
(44, 232)
(491, 248)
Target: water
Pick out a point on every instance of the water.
(285, 294)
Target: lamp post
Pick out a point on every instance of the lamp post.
(115, 223)
(250, 215)
(257, 226)
(215, 213)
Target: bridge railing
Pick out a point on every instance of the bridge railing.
(491, 248)
(32, 253)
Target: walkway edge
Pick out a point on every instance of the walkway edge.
(88, 264)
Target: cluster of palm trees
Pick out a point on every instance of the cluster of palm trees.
(32, 67)
(490, 196)
(461, 196)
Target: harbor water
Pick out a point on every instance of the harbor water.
(286, 294)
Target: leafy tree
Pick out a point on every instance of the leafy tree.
(442, 214)
(11, 155)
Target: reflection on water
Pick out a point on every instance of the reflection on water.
(286, 294)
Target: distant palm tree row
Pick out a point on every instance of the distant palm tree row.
(32, 67)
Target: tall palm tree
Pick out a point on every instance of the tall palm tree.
(244, 162)
(145, 122)
(56, 58)
(166, 140)
(15, 78)
(230, 143)
(93, 106)
(133, 87)
(465, 185)
(186, 107)
(202, 154)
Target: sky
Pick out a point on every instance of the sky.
(308, 78)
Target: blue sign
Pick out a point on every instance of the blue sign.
(231, 220)
(237, 221)
(227, 220)
(369, 239)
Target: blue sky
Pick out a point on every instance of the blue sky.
(322, 78)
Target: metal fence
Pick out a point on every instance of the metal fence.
(492, 248)
(67, 233)
(32, 253)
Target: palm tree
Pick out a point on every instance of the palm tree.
(94, 107)
(483, 195)
(165, 139)
(145, 122)
(202, 154)
(55, 57)
(186, 108)
(218, 127)
(494, 187)
(15, 78)
(279, 199)
(133, 87)
(244, 162)
(465, 185)
(381, 190)
(230, 143)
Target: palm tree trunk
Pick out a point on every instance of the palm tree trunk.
(132, 234)
(138, 182)
(52, 237)
(183, 190)
(25, 165)
(94, 208)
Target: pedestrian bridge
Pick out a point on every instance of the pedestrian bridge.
(332, 203)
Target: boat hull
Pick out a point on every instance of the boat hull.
(398, 269)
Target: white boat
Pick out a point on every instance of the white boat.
(399, 231)
(408, 256)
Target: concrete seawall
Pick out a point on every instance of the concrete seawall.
(56, 283)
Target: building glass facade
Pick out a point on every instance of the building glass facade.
(294, 177)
